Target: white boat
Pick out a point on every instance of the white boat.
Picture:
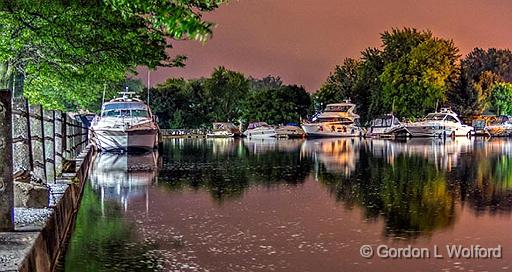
(260, 130)
(337, 120)
(223, 130)
(125, 123)
(438, 124)
(501, 126)
(386, 126)
(289, 131)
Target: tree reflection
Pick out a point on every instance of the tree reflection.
(228, 167)
(103, 241)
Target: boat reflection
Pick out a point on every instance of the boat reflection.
(260, 146)
(121, 176)
(337, 155)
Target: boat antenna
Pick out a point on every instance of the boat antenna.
(393, 106)
(104, 90)
(437, 101)
(149, 83)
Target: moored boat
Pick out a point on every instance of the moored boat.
(500, 127)
(386, 126)
(289, 131)
(439, 124)
(337, 120)
(260, 130)
(125, 124)
(224, 130)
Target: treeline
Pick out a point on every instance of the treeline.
(228, 96)
(414, 72)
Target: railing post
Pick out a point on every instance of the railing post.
(29, 137)
(6, 163)
(54, 151)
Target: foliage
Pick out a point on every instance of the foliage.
(68, 50)
(283, 105)
(501, 98)
(419, 80)
(339, 85)
(225, 91)
(480, 69)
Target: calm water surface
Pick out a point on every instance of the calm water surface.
(239, 205)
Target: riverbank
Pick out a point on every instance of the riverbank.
(40, 234)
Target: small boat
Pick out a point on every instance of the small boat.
(125, 123)
(500, 127)
(337, 120)
(439, 124)
(224, 130)
(289, 131)
(260, 130)
(386, 126)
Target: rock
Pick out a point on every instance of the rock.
(30, 195)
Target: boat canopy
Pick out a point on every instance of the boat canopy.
(256, 125)
(441, 117)
(385, 121)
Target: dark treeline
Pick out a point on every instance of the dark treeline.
(228, 96)
(410, 75)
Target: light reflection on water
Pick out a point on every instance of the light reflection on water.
(293, 205)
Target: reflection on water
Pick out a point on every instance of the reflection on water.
(259, 205)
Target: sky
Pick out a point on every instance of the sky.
(303, 40)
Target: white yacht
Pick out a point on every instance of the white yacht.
(260, 130)
(125, 123)
(442, 123)
(337, 120)
(386, 126)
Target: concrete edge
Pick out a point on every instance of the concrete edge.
(48, 246)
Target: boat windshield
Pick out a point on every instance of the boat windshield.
(131, 109)
(386, 121)
(435, 116)
(337, 108)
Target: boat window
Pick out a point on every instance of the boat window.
(396, 122)
(451, 119)
(387, 122)
(337, 108)
(133, 109)
(435, 116)
(333, 119)
(377, 122)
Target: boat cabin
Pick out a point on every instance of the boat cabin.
(387, 120)
(125, 109)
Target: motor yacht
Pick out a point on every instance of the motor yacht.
(386, 126)
(125, 123)
(260, 130)
(438, 124)
(337, 120)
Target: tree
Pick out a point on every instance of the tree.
(339, 85)
(68, 50)
(501, 98)
(419, 80)
(225, 91)
(480, 69)
(283, 105)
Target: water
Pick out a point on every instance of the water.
(239, 205)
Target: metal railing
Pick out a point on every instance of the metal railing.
(33, 140)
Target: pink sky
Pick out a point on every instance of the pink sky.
(302, 40)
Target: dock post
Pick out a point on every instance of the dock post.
(6, 163)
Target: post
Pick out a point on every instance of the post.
(54, 151)
(43, 143)
(29, 137)
(6, 179)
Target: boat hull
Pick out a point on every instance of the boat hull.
(387, 132)
(260, 133)
(331, 130)
(119, 140)
(438, 130)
